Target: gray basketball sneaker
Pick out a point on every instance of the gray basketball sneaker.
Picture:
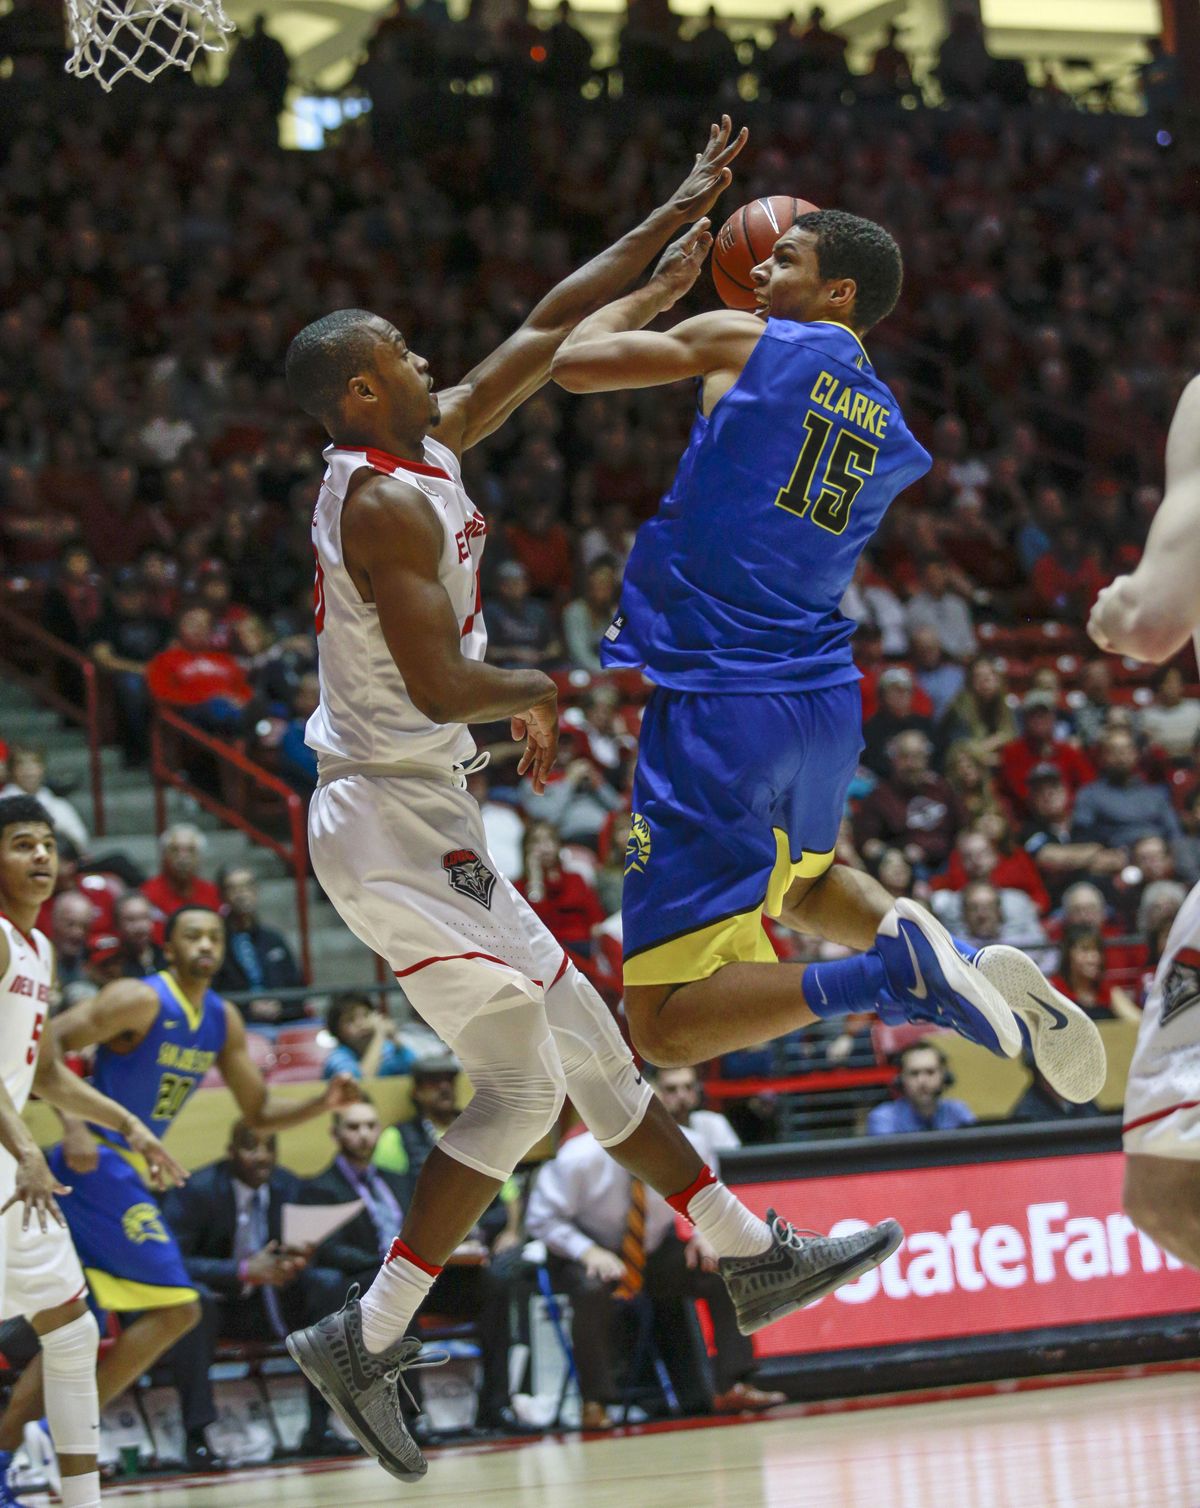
(362, 1386)
(798, 1268)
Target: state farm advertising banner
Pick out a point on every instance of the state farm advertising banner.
(988, 1247)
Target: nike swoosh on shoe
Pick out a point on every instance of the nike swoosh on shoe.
(920, 990)
(1059, 1018)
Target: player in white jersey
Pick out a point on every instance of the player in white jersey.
(399, 846)
(40, 1276)
(1151, 615)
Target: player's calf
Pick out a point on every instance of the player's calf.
(70, 1341)
(1162, 1198)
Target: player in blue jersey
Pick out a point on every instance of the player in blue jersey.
(155, 1040)
(750, 739)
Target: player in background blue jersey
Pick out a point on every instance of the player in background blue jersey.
(753, 731)
(155, 1040)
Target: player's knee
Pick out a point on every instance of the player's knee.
(70, 1350)
(657, 1034)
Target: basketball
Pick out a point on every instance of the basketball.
(746, 239)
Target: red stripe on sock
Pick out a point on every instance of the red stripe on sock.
(406, 1254)
(679, 1202)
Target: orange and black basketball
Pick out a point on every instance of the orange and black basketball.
(746, 239)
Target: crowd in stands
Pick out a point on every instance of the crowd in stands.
(156, 483)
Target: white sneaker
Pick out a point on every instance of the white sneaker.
(1066, 1046)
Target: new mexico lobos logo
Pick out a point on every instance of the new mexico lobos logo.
(142, 1222)
(1181, 987)
(637, 850)
(469, 875)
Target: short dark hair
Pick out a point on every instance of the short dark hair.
(22, 809)
(173, 920)
(324, 357)
(924, 1045)
(342, 1005)
(850, 247)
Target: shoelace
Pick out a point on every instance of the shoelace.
(791, 1235)
(420, 1362)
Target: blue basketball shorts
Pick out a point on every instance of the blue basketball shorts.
(735, 796)
(130, 1258)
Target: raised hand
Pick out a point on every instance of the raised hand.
(711, 175)
(679, 266)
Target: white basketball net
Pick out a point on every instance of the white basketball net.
(111, 38)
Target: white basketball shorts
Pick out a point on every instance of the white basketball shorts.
(404, 859)
(1162, 1096)
(38, 1269)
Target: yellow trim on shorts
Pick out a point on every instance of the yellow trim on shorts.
(124, 1294)
(809, 866)
(135, 1159)
(733, 939)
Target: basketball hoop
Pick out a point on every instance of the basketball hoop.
(111, 38)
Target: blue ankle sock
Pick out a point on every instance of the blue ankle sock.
(843, 985)
(5, 1461)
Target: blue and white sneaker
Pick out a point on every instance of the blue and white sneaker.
(928, 980)
(1062, 1039)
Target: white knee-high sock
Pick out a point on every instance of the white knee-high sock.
(395, 1296)
(721, 1218)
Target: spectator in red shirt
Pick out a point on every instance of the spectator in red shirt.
(1038, 745)
(564, 900)
(206, 683)
(543, 546)
(178, 883)
(1068, 577)
(1083, 975)
(976, 857)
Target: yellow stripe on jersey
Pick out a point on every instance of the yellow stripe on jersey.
(126, 1295)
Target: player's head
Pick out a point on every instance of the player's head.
(28, 853)
(194, 942)
(353, 371)
(831, 265)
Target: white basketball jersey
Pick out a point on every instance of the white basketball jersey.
(366, 714)
(24, 1006)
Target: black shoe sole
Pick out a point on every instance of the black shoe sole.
(821, 1284)
(303, 1353)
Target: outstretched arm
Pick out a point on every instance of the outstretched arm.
(1152, 613)
(122, 1013)
(250, 1091)
(514, 371)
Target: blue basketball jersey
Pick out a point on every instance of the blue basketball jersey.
(735, 583)
(157, 1078)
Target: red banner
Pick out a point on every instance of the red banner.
(988, 1247)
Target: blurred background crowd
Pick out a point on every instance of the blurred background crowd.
(156, 484)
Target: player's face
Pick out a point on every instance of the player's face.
(789, 285)
(28, 863)
(678, 1091)
(197, 946)
(405, 389)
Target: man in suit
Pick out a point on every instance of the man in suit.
(227, 1220)
(462, 1291)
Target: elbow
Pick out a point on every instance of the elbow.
(569, 372)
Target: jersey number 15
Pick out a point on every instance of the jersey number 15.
(824, 486)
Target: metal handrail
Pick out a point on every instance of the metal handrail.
(88, 716)
(293, 854)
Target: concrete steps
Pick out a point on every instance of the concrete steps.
(338, 959)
